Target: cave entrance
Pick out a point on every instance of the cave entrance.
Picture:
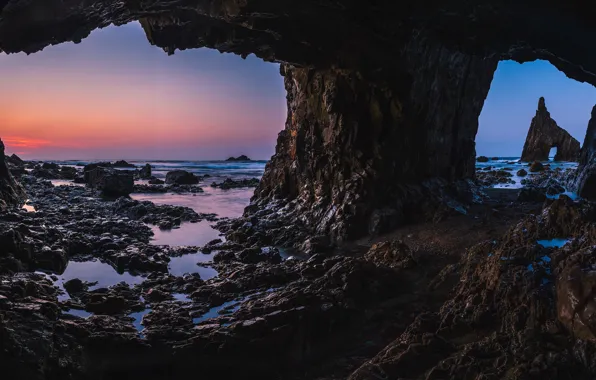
(114, 96)
(511, 105)
(553, 153)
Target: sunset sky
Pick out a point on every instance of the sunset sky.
(114, 96)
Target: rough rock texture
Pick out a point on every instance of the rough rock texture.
(349, 144)
(145, 172)
(11, 193)
(111, 182)
(424, 66)
(585, 182)
(181, 177)
(545, 134)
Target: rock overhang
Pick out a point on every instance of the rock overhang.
(363, 35)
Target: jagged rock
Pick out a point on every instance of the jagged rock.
(229, 183)
(482, 159)
(545, 134)
(145, 172)
(15, 160)
(181, 177)
(585, 181)
(88, 168)
(536, 167)
(11, 192)
(122, 164)
(239, 158)
(111, 182)
(156, 181)
(531, 194)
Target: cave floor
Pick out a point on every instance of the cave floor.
(438, 248)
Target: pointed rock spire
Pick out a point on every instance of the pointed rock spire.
(545, 134)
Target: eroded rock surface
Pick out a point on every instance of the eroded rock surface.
(11, 193)
(544, 134)
(585, 182)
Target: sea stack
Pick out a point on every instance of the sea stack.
(11, 192)
(545, 134)
(585, 181)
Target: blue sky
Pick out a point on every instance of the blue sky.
(116, 96)
(512, 101)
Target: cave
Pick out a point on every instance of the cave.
(383, 102)
(380, 109)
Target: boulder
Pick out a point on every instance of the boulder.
(522, 173)
(145, 172)
(111, 182)
(181, 177)
(536, 167)
(532, 194)
(90, 167)
(482, 159)
(545, 134)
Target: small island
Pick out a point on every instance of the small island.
(239, 158)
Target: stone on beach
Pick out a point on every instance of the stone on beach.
(111, 182)
(181, 177)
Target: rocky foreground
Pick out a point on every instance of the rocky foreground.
(482, 292)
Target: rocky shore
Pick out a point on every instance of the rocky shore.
(494, 288)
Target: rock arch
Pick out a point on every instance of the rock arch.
(383, 96)
(544, 134)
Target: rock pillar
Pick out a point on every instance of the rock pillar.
(356, 146)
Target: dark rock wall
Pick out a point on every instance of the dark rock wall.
(350, 142)
(544, 134)
(11, 193)
(585, 181)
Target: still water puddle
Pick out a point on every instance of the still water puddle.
(62, 182)
(230, 307)
(96, 271)
(189, 234)
(553, 243)
(78, 313)
(225, 203)
(29, 208)
(138, 319)
(187, 264)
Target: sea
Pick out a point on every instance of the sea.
(514, 164)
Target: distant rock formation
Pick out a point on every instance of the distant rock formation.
(239, 158)
(545, 134)
(11, 192)
(145, 172)
(585, 181)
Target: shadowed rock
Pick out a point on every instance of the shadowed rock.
(585, 182)
(545, 134)
(11, 193)
(111, 182)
